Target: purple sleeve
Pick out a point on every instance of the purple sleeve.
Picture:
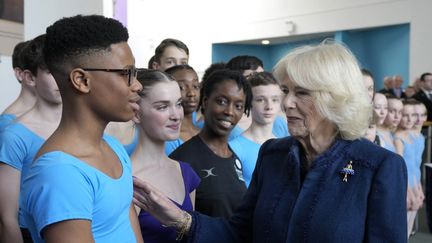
(191, 179)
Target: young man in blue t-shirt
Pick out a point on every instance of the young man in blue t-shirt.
(21, 138)
(79, 189)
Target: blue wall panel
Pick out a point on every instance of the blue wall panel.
(278, 51)
(384, 50)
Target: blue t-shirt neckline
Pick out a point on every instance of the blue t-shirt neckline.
(82, 162)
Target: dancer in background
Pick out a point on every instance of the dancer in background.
(390, 124)
(421, 111)
(21, 139)
(406, 147)
(189, 84)
(371, 131)
(419, 145)
(249, 65)
(368, 82)
(170, 52)
(27, 96)
(266, 105)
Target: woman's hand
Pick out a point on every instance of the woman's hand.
(419, 195)
(409, 199)
(158, 205)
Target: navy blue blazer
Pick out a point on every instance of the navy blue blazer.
(369, 207)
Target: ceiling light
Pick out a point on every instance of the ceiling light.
(265, 42)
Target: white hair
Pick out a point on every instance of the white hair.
(333, 75)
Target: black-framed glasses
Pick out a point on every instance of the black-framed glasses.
(131, 72)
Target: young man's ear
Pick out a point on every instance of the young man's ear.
(28, 78)
(80, 80)
(18, 74)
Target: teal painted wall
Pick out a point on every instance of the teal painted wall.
(384, 50)
(224, 52)
(278, 51)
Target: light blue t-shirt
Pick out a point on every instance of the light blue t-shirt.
(61, 187)
(197, 123)
(6, 119)
(419, 141)
(387, 145)
(170, 146)
(247, 151)
(409, 157)
(280, 129)
(237, 131)
(18, 147)
(130, 148)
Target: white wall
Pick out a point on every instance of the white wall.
(42, 13)
(151, 21)
(37, 16)
(201, 23)
(10, 34)
(10, 87)
(420, 38)
(318, 16)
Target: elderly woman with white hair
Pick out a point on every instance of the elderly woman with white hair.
(324, 183)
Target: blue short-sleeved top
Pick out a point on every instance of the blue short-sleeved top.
(247, 151)
(6, 119)
(18, 147)
(385, 144)
(130, 148)
(280, 129)
(61, 187)
(170, 146)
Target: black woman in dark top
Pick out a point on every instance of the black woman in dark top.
(225, 96)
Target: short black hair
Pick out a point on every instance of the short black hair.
(177, 68)
(167, 43)
(220, 76)
(71, 38)
(213, 67)
(423, 76)
(243, 63)
(32, 55)
(17, 54)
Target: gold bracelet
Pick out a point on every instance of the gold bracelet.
(184, 226)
